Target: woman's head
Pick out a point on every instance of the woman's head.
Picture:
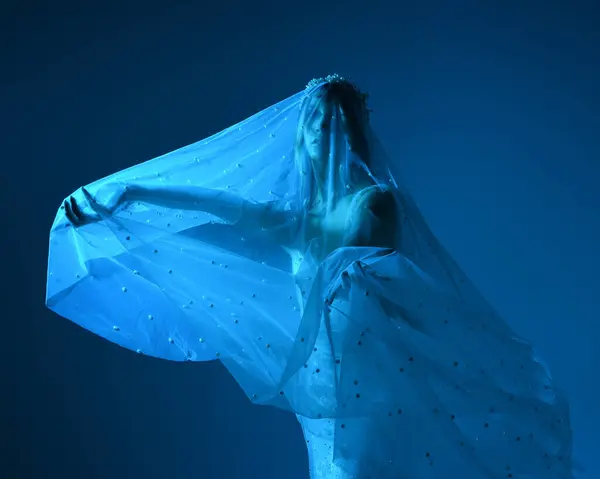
(328, 100)
(332, 125)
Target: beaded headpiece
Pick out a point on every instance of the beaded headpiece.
(348, 86)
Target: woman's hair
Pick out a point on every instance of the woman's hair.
(354, 114)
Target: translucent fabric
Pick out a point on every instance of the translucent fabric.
(286, 247)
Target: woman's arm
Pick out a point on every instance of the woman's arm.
(250, 217)
(222, 204)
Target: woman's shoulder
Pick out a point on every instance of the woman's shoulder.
(379, 200)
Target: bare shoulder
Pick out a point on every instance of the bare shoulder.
(380, 202)
(373, 218)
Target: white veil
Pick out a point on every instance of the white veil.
(195, 285)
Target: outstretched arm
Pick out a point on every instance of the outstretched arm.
(250, 217)
(227, 206)
(224, 205)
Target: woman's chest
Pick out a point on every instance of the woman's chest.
(365, 218)
(330, 227)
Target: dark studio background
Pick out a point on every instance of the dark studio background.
(492, 107)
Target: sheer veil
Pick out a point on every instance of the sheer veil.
(197, 285)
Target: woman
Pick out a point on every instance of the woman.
(285, 248)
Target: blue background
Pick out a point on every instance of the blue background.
(492, 108)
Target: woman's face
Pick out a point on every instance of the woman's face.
(316, 131)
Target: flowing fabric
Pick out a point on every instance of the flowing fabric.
(393, 362)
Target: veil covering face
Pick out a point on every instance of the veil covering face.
(383, 346)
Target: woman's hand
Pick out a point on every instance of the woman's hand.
(81, 213)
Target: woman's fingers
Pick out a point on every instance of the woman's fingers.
(70, 214)
(91, 200)
(75, 208)
(76, 216)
